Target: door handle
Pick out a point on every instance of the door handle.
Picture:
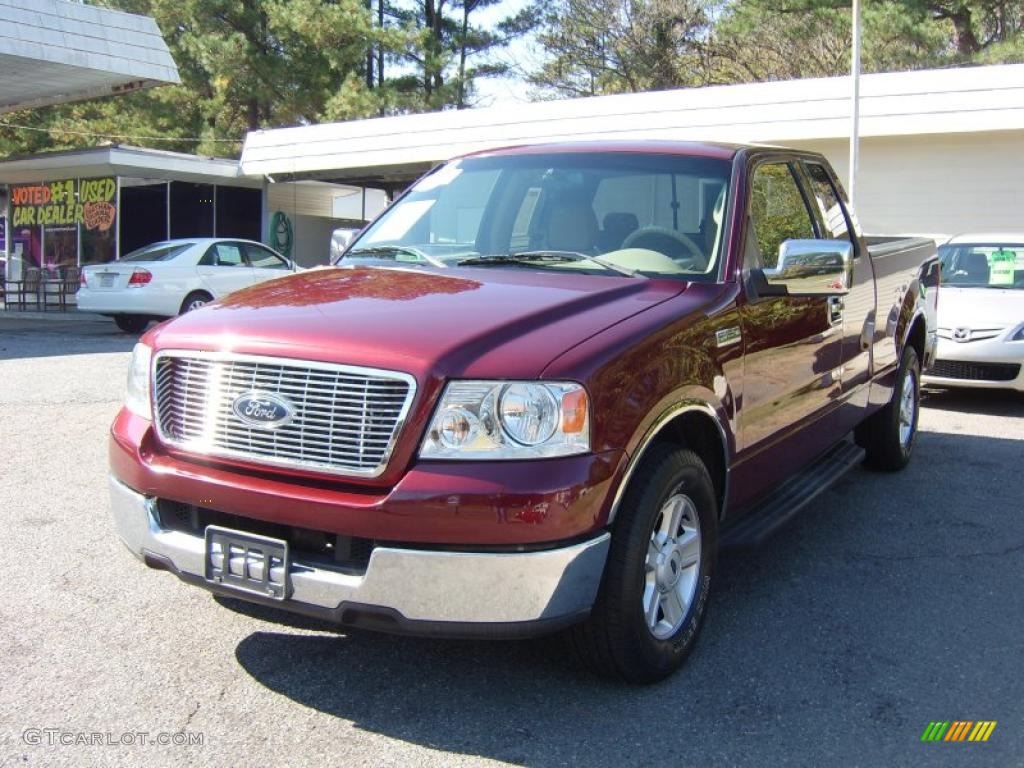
(835, 310)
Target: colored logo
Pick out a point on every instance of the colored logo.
(959, 730)
(263, 410)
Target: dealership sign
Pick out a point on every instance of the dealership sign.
(58, 203)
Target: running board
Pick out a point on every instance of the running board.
(792, 496)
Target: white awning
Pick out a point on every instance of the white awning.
(124, 161)
(397, 148)
(52, 51)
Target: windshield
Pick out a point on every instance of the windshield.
(988, 265)
(602, 213)
(157, 252)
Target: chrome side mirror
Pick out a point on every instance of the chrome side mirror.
(823, 267)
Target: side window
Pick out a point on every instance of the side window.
(777, 210)
(264, 258)
(833, 216)
(225, 255)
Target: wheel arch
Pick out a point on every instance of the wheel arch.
(916, 336)
(193, 292)
(696, 425)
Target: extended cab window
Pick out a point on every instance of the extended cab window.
(834, 225)
(777, 210)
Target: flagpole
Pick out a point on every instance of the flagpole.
(855, 110)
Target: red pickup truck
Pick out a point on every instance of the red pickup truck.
(540, 393)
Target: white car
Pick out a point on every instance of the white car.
(174, 276)
(981, 313)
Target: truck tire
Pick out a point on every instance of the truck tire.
(131, 323)
(888, 436)
(653, 595)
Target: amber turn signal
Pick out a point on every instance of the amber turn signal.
(574, 411)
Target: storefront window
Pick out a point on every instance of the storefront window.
(238, 212)
(191, 210)
(56, 224)
(143, 213)
(99, 220)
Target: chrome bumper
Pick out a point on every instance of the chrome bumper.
(434, 588)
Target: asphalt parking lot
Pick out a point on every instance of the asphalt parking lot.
(897, 600)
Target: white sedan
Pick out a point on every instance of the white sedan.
(981, 313)
(174, 276)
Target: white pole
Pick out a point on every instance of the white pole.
(855, 110)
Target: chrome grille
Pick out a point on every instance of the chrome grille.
(345, 421)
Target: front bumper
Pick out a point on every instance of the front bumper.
(988, 364)
(418, 591)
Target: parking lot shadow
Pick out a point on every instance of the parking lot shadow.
(22, 338)
(988, 402)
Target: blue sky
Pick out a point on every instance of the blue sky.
(520, 55)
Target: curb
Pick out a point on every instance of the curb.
(71, 315)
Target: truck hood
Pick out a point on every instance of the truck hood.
(980, 307)
(483, 322)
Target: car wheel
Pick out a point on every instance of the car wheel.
(131, 323)
(653, 596)
(888, 436)
(195, 300)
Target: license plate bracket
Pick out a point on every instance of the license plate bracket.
(247, 562)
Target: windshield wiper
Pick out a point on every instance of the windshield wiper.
(552, 256)
(392, 251)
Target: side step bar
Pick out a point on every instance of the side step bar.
(782, 504)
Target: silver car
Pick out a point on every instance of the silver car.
(981, 313)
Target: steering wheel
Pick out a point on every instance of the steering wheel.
(696, 253)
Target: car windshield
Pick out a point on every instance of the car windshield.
(609, 213)
(157, 252)
(983, 265)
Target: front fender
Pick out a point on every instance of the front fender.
(688, 400)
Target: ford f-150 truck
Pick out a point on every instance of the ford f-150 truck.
(543, 389)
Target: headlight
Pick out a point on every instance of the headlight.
(1018, 335)
(137, 398)
(509, 420)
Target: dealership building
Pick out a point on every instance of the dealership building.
(941, 151)
(95, 205)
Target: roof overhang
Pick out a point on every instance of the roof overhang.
(52, 51)
(400, 148)
(124, 161)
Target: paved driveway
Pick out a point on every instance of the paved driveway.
(897, 600)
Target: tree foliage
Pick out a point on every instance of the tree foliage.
(614, 46)
(446, 52)
(776, 39)
(251, 64)
(610, 46)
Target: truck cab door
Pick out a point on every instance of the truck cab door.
(835, 222)
(792, 342)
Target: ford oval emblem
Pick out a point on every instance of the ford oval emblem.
(263, 410)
